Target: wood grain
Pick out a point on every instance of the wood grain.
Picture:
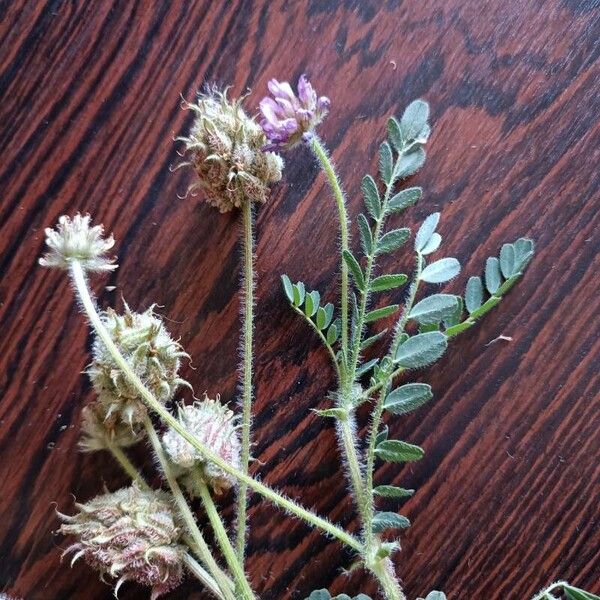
(507, 495)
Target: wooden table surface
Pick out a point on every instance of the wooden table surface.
(507, 495)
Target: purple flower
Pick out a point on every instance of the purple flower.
(289, 119)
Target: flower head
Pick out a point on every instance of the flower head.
(150, 352)
(102, 428)
(214, 425)
(131, 534)
(74, 239)
(289, 118)
(225, 148)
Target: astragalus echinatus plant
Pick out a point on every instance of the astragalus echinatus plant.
(154, 536)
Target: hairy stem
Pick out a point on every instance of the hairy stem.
(248, 324)
(148, 398)
(202, 575)
(127, 465)
(200, 546)
(242, 586)
(384, 571)
(322, 156)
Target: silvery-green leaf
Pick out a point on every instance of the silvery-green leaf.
(392, 240)
(455, 316)
(441, 270)
(507, 260)
(395, 133)
(391, 491)
(434, 309)
(371, 196)
(414, 119)
(380, 313)
(398, 451)
(299, 292)
(407, 398)
(410, 163)
(436, 596)
(321, 318)
(311, 303)
(333, 413)
(332, 333)
(360, 371)
(386, 162)
(371, 340)
(574, 593)
(524, 249)
(328, 313)
(493, 275)
(404, 199)
(473, 294)
(426, 231)
(421, 350)
(366, 237)
(389, 520)
(388, 282)
(319, 595)
(433, 244)
(287, 287)
(382, 435)
(354, 269)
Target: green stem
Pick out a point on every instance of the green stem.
(347, 434)
(148, 398)
(127, 465)
(202, 575)
(323, 157)
(243, 587)
(248, 324)
(200, 546)
(384, 571)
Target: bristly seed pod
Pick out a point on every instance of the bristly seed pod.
(214, 425)
(225, 148)
(151, 353)
(130, 534)
(100, 431)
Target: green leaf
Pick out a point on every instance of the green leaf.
(473, 294)
(360, 371)
(436, 596)
(355, 269)
(386, 162)
(371, 340)
(299, 293)
(333, 333)
(321, 318)
(380, 313)
(410, 163)
(441, 270)
(366, 237)
(311, 303)
(433, 244)
(524, 249)
(334, 413)
(395, 133)
(392, 240)
(319, 595)
(404, 199)
(426, 231)
(288, 287)
(388, 282)
(507, 260)
(391, 491)
(398, 451)
(407, 398)
(493, 276)
(434, 309)
(574, 593)
(371, 196)
(414, 120)
(382, 435)
(389, 520)
(421, 350)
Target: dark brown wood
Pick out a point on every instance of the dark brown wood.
(507, 495)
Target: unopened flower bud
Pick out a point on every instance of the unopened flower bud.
(75, 240)
(225, 148)
(130, 534)
(151, 354)
(214, 426)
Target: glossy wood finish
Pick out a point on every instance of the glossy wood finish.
(507, 495)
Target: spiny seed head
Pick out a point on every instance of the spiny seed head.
(100, 430)
(214, 425)
(225, 148)
(75, 240)
(130, 534)
(150, 352)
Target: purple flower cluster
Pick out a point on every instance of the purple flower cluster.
(289, 118)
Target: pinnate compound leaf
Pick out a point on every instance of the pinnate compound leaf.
(398, 451)
(404, 199)
(421, 350)
(434, 309)
(426, 231)
(354, 269)
(392, 240)
(388, 282)
(371, 196)
(389, 520)
(441, 270)
(473, 294)
(386, 162)
(391, 491)
(407, 398)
